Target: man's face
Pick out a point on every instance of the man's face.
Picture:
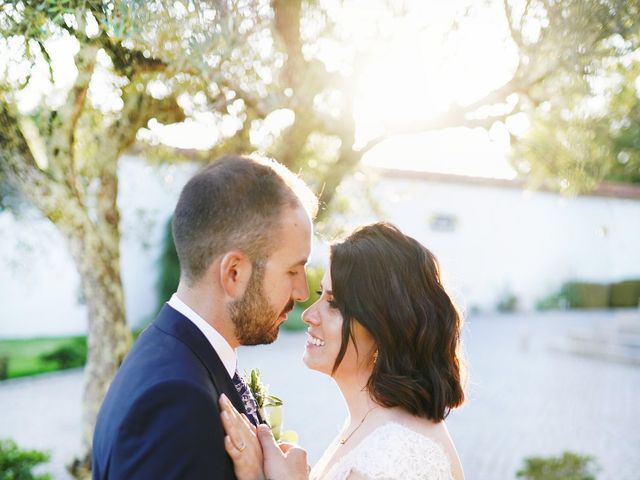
(275, 285)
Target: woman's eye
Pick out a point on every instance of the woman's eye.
(319, 293)
(332, 303)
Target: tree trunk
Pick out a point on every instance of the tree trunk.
(97, 258)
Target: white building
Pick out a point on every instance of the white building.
(494, 237)
(491, 236)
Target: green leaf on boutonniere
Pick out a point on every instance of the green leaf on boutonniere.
(260, 391)
(270, 406)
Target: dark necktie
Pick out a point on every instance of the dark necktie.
(250, 407)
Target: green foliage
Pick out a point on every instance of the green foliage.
(17, 464)
(25, 354)
(622, 294)
(555, 301)
(590, 130)
(70, 355)
(569, 466)
(4, 367)
(168, 269)
(314, 277)
(260, 391)
(585, 295)
(294, 320)
(625, 293)
(508, 302)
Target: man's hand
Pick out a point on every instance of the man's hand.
(282, 462)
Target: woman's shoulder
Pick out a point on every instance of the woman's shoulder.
(395, 450)
(397, 435)
(434, 433)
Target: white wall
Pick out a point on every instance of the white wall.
(526, 242)
(39, 286)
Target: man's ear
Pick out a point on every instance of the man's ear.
(235, 272)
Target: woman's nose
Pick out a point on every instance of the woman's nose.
(309, 316)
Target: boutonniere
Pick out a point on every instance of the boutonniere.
(270, 408)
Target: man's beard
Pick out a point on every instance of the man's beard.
(254, 319)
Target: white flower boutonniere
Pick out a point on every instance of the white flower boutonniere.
(270, 408)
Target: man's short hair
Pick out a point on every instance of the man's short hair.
(234, 203)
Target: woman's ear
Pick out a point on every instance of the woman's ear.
(235, 272)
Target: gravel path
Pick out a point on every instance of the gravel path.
(523, 399)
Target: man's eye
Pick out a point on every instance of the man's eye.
(293, 273)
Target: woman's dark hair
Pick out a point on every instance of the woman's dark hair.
(390, 284)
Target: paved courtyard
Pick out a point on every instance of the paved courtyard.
(523, 399)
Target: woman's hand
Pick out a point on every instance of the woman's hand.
(284, 460)
(241, 442)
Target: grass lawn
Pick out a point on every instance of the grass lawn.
(24, 354)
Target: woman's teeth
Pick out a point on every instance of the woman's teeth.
(315, 341)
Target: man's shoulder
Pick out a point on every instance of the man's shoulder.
(157, 358)
(175, 393)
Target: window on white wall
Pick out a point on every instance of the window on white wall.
(443, 222)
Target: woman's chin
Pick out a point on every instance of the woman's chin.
(314, 364)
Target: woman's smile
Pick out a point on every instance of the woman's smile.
(313, 341)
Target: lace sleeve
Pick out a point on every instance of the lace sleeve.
(394, 452)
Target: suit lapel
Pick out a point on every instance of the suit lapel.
(174, 323)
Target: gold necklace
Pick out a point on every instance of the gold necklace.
(344, 440)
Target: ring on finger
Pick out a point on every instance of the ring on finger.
(241, 447)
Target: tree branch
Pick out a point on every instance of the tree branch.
(17, 163)
(458, 116)
(63, 122)
(515, 34)
(287, 27)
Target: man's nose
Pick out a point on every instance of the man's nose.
(301, 289)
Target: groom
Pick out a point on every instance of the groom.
(242, 230)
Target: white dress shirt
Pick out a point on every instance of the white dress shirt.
(220, 345)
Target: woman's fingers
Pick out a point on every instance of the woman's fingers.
(240, 443)
(235, 429)
(286, 446)
(234, 425)
(227, 406)
(248, 423)
(231, 449)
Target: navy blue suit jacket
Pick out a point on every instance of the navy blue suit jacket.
(160, 417)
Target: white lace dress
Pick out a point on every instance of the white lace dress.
(391, 451)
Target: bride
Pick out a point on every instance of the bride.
(386, 331)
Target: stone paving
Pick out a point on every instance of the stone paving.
(523, 399)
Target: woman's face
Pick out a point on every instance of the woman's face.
(324, 337)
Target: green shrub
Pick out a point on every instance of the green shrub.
(585, 295)
(17, 464)
(294, 320)
(625, 294)
(507, 302)
(314, 277)
(554, 301)
(569, 466)
(4, 367)
(70, 355)
(169, 268)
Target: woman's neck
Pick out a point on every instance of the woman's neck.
(356, 395)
